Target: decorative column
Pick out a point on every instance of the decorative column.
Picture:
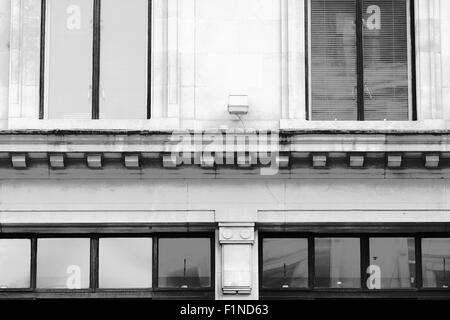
(173, 72)
(428, 59)
(236, 242)
(293, 60)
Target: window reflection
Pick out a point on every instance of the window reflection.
(396, 259)
(63, 263)
(285, 263)
(337, 263)
(125, 263)
(436, 263)
(15, 257)
(184, 263)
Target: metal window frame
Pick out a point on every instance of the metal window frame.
(96, 47)
(312, 292)
(94, 291)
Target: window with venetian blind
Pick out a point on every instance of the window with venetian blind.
(360, 60)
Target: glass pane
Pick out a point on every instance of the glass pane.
(386, 60)
(285, 263)
(69, 59)
(125, 263)
(124, 53)
(63, 263)
(333, 60)
(396, 259)
(337, 263)
(436, 263)
(184, 263)
(15, 261)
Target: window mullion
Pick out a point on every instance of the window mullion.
(33, 270)
(96, 60)
(42, 59)
(419, 280)
(360, 59)
(311, 262)
(365, 261)
(155, 263)
(94, 276)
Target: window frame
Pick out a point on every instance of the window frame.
(94, 291)
(412, 68)
(96, 56)
(415, 292)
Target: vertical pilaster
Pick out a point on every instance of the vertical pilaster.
(173, 109)
(293, 51)
(237, 247)
(428, 59)
(25, 59)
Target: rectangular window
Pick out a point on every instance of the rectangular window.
(337, 263)
(15, 263)
(96, 59)
(126, 266)
(436, 263)
(123, 59)
(395, 258)
(360, 64)
(285, 263)
(125, 263)
(184, 263)
(68, 86)
(63, 263)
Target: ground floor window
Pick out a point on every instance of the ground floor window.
(15, 263)
(364, 263)
(436, 263)
(95, 264)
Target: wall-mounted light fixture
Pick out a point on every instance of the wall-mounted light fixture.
(238, 104)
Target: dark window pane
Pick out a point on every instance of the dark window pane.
(333, 60)
(15, 257)
(396, 259)
(184, 263)
(285, 263)
(436, 263)
(337, 263)
(63, 263)
(125, 263)
(69, 59)
(386, 60)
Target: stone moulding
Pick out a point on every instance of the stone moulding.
(286, 150)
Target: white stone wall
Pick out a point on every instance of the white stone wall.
(237, 48)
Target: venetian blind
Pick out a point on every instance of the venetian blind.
(333, 60)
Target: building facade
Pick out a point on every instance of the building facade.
(224, 149)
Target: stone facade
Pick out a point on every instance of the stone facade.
(69, 172)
